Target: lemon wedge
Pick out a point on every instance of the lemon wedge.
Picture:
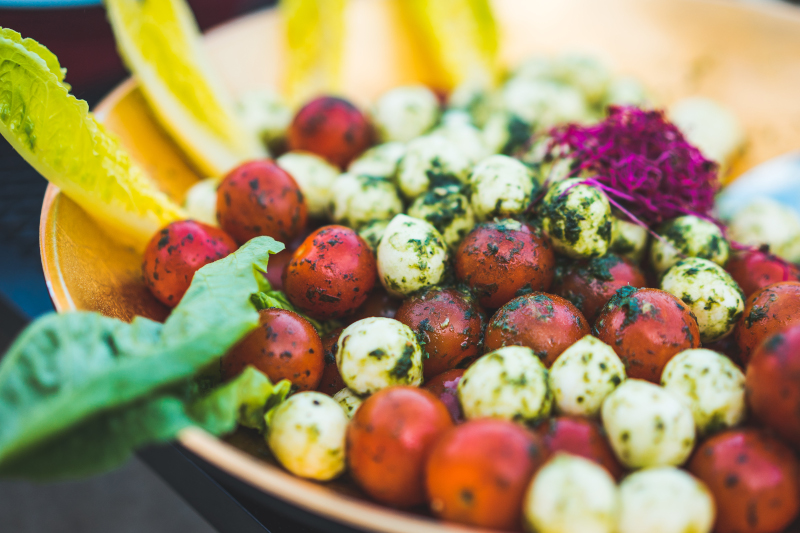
(161, 44)
(58, 136)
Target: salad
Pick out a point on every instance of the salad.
(510, 305)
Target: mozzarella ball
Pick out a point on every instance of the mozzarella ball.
(626, 90)
(314, 176)
(710, 384)
(201, 201)
(544, 103)
(411, 255)
(501, 187)
(306, 434)
(357, 200)
(431, 160)
(585, 73)
(688, 236)
(404, 113)
(448, 211)
(375, 353)
(509, 383)
(535, 68)
(505, 132)
(766, 221)
(457, 128)
(647, 426)
(711, 294)
(629, 239)
(583, 375)
(712, 128)
(266, 113)
(472, 98)
(578, 219)
(373, 233)
(379, 161)
(665, 500)
(349, 401)
(571, 494)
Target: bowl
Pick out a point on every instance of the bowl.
(743, 55)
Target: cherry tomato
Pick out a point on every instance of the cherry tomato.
(332, 128)
(284, 346)
(647, 328)
(331, 381)
(448, 325)
(773, 384)
(176, 252)
(590, 284)
(331, 273)
(753, 478)
(501, 260)
(582, 437)
(756, 269)
(445, 387)
(379, 303)
(767, 311)
(477, 473)
(545, 323)
(389, 439)
(260, 198)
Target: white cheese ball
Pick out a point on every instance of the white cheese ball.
(585, 73)
(349, 401)
(509, 383)
(505, 132)
(665, 500)
(379, 161)
(448, 211)
(571, 494)
(412, 254)
(431, 160)
(357, 200)
(501, 187)
(201, 201)
(314, 176)
(265, 112)
(544, 103)
(535, 68)
(688, 236)
(583, 375)
(766, 221)
(471, 97)
(377, 352)
(710, 384)
(404, 113)
(373, 233)
(626, 90)
(711, 294)
(647, 425)
(578, 219)
(306, 434)
(629, 239)
(457, 128)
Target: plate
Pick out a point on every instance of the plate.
(745, 56)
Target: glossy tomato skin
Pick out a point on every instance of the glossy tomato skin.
(647, 328)
(176, 252)
(260, 198)
(756, 269)
(331, 273)
(590, 284)
(477, 473)
(582, 437)
(545, 323)
(773, 384)
(767, 311)
(445, 387)
(378, 304)
(284, 346)
(332, 128)
(331, 381)
(753, 478)
(388, 442)
(449, 326)
(500, 260)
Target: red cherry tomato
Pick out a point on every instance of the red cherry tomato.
(590, 284)
(331, 273)
(754, 270)
(477, 473)
(389, 439)
(767, 311)
(332, 128)
(499, 262)
(582, 437)
(445, 387)
(260, 198)
(753, 478)
(284, 346)
(176, 252)
(448, 325)
(331, 381)
(647, 328)
(545, 323)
